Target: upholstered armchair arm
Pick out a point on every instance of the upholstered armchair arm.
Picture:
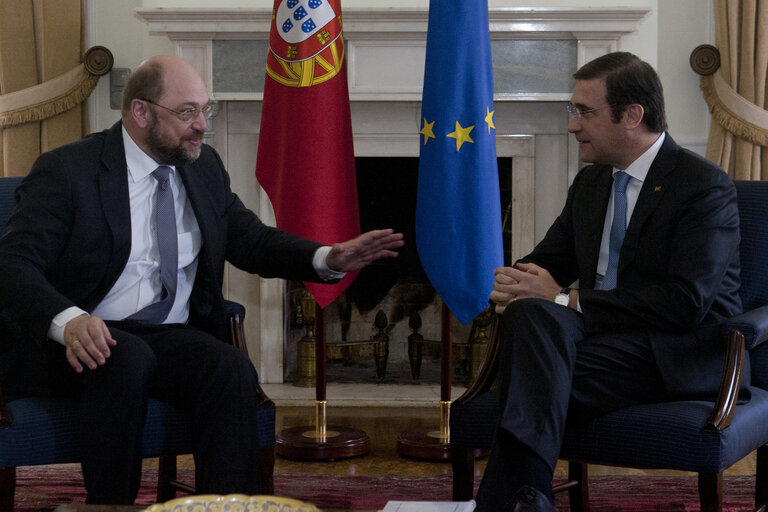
(721, 415)
(486, 374)
(235, 316)
(752, 324)
(745, 332)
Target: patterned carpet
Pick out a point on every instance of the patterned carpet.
(41, 489)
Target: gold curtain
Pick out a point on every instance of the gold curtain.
(40, 40)
(737, 92)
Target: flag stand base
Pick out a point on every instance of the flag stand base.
(423, 443)
(339, 443)
(321, 442)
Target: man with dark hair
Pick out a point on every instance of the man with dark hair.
(116, 254)
(650, 232)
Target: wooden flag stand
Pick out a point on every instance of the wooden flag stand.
(321, 442)
(434, 443)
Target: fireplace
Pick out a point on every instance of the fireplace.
(535, 50)
(391, 298)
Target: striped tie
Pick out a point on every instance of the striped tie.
(167, 242)
(618, 229)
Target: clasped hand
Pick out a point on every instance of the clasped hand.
(524, 280)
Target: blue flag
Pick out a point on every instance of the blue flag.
(458, 210)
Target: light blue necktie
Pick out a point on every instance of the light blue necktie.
(167, 242)
(618, 229)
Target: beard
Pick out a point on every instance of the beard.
(169, 153)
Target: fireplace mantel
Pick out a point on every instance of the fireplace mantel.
(403, 30)
(245, 23)
(385, 51)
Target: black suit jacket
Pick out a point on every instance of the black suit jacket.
(678, 271)
(70, 239)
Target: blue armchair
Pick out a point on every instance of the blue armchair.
(699, 436)
(39, 431)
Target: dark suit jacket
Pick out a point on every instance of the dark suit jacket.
(678, 267)
(70, 239)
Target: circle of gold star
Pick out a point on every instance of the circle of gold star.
(461, 135)
(427, 131)
(489, 119)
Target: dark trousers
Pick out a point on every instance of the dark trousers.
(184, 366)
(552, 370)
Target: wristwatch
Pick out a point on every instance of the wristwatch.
(564, 297)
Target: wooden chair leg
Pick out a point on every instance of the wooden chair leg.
(463, 464)
(578, 495)
(7, 488)
(267, 461)
(168, 484)
(711, 492)
(166, 475)
(761, 477)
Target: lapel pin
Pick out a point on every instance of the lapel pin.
(657, 188)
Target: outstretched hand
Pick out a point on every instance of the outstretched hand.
(357, 253)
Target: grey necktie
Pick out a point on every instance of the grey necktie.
(167, 242)
(618, 229)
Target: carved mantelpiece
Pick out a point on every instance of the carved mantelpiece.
(385, 58)
(596, 30)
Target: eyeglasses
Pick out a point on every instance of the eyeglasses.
(188, 114)
(576, 111)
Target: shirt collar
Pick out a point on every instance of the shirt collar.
(640, 167)
(140, 165)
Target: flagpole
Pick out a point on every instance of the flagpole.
(321, 422)
(320, 441)
(445, 377)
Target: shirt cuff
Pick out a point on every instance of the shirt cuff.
(318, 261)
(60, 321)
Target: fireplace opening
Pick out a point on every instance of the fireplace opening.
(391, 306)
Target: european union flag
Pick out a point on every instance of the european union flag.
(458, 211)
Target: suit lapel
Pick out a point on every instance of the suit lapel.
(592, 221)
(113, 189)
(651, 193)
(202, 204)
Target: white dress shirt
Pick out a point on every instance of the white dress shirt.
(637, 170)
(139, 284)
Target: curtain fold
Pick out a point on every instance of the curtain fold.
(18, 70)
(39, 41)
(737, 92)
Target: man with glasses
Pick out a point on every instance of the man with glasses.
(620, 302)
(116, 254)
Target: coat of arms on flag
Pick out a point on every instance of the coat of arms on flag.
(306, 47)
